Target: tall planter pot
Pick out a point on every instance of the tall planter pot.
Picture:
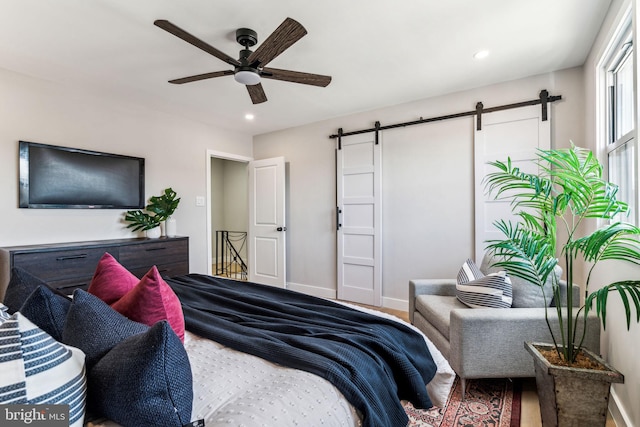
(572, 397)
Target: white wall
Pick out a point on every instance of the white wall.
(619, 346)
(427, 182)
(174, 149)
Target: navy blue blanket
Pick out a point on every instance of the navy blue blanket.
(374, 362)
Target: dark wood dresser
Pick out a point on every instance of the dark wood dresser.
(67, 266)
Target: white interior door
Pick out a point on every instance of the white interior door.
(516, 133)
(359, 196)
(267, 228)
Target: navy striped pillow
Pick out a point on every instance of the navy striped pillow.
(36, 369)
(4, 312)
(479, 291)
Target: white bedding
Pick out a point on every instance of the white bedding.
(232, 388)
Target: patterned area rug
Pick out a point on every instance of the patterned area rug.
(488, 403)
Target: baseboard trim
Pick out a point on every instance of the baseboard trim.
(395, 304)
(617, 411)
(315, 291)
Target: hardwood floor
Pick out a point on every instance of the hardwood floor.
(529, 408)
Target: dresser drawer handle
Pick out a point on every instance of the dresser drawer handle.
(64, 258)
(155, 249)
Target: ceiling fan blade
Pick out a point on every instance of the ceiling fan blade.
(296, 77)
(201, 77)
(180, 33)
(289, 32)
(257, 93)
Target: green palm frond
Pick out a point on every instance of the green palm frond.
(629, 291)
(524, 253)
(617, 241)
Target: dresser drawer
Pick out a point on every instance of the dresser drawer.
(61, 265)
(67, 266)
(165, 270)
(69, 285)
(135, 257)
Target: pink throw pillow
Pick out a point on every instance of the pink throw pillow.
(152, 300)
(111, 281)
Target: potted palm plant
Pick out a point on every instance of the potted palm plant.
(551, 208)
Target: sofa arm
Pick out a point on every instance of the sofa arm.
(479, 336)
(446, 287)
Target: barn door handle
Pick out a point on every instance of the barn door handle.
(281, 229)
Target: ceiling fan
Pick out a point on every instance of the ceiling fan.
(250, 67)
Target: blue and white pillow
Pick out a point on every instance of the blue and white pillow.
(36, 369)
(476, 290)
(4, 313)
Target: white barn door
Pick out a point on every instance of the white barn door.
(359, 200)
(267, 237)
(515, 133)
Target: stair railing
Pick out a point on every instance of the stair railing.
(229, 262)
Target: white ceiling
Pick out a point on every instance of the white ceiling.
(379, 52)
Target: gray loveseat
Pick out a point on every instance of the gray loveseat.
(485, 342)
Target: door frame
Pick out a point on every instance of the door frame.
(224, 156)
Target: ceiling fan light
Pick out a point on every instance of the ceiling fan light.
(247, 77)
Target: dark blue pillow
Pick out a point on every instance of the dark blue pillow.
(20, 286)
(48, 310)
(144, 381)
(95, 328)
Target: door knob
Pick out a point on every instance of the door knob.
(281, 229)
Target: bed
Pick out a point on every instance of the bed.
(235, 355)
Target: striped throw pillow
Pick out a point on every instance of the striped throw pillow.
(36, 369)
(4, 313)
(479, 291)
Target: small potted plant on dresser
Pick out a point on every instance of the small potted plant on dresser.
(157, 212)
(163, 207)
(567, 191)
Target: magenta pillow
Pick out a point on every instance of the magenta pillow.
(150, 301)
(111, 281)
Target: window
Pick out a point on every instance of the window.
(621, 122)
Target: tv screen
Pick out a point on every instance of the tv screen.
(63, 177)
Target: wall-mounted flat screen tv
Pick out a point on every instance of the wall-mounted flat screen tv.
(63, 177)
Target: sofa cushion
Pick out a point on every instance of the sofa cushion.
(525, 294)
(479, 291)
(437, 308)
(469, 272)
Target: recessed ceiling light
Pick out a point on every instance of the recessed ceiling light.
(249, 116)
(481, 54)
